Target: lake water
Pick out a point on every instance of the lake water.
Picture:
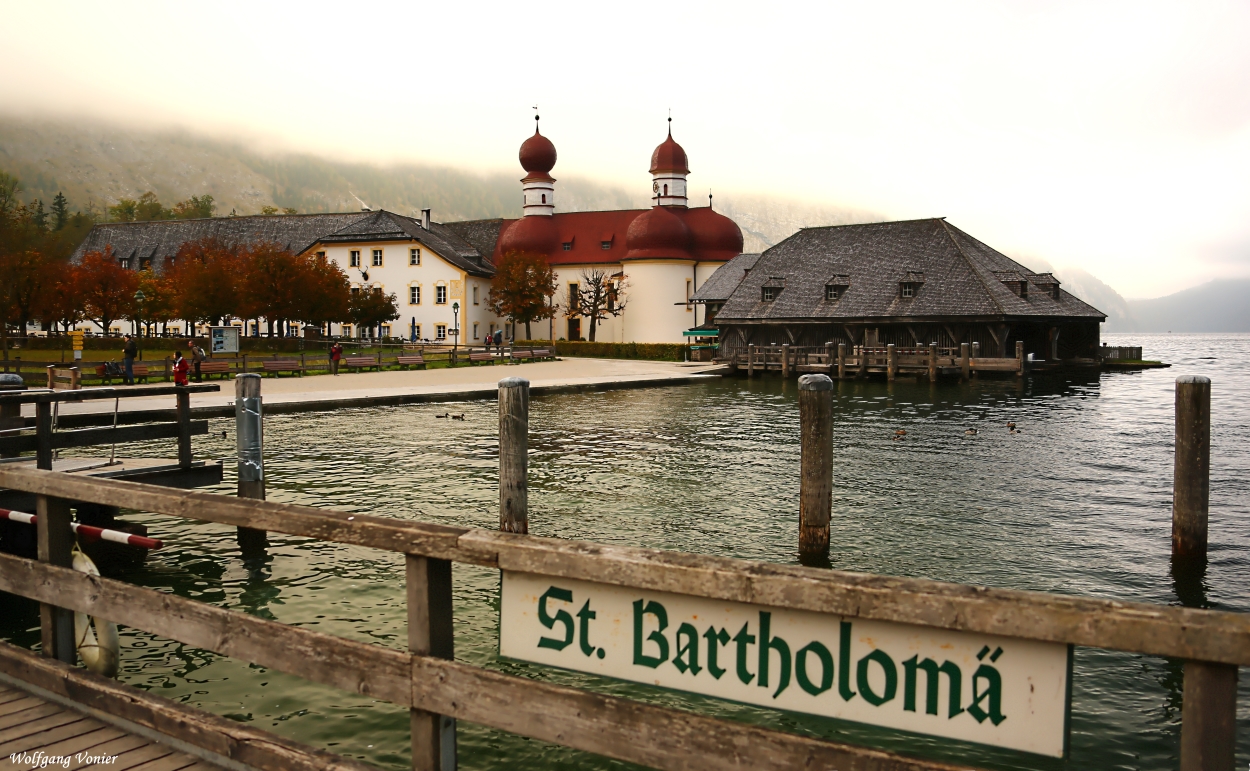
(1077, 503)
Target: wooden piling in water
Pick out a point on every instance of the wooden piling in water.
(1020, 361)
(841, 361)
(965, 363)
(55, 546)
(184, 429)
(785, 360)
(514, 419)
(1191, 472)
(750, 361)
(891, 362)
(249, 431)
(933, 368)
(816, 482)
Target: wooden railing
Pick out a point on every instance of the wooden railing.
(856, 361)
(435, 687)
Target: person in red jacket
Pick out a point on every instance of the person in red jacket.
(181, 367)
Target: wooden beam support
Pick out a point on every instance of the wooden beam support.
(55, 547)
(91, 437)
(1209, 717)
(430, 634)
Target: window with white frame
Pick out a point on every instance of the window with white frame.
(440, 331)
(386, 330)
(347, 330)
(440, 295)
(377, 258)
(414, 256)
(354, 258)
(414, 295)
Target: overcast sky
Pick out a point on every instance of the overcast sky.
(1114, 137)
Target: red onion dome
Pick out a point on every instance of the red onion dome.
(535, 234)
(669, 157)
(537, 154)
(715, 236)
(656, 234)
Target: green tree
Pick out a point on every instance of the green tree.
(148, 209)
(39, 216)
(60, 212)
(370, 308)
(520, 290)
(125, 210)
(10, 187)
(195, 207)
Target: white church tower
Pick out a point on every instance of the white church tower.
(668, 172)
(538, 158)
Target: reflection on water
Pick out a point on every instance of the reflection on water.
(1077, 502)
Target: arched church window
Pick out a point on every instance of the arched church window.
(544, 198)
(666, 190)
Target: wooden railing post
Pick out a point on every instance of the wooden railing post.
(816, 482)
(1209, 717)
(965, 363)
(43, 434)
(1191, 482)
(249, 430)
(933, 368)
(55, 547)
(750, 361)
(514, 420)
(430, 634)
(891, 361)
(841, 361)
(785, 360)
(184, 429)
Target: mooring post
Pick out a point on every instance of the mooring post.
(750, 361)
(816, 483)
(933, 369)
(430, 634)
(891, 361)
(841, 361)
(1192, 469)
(964, 363)
(514, 422)
(1020, 364)
(1209, 717)
(785, 360)
(55, 547)
(43, 434)
(184, 429)
(249, 431)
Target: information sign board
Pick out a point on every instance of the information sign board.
(224, 339)
(1000, 691)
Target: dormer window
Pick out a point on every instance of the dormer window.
(772, 287)
(910, 284)
(836, 286)
(908, 290)
(770, 294)
(832, 292)
(605, 245)
(568, 246)
(1047, 283)
(124, 262)
(1017, 283)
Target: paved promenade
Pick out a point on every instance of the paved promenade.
(289, 393)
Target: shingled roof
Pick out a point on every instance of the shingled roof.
(383, 225)
(721, 284)
(951, 273)
(154, 241)
(160, 239)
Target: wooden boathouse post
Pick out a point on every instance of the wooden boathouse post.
(841, 361)
(891, 361)
(1191, 474)
(785, 360)
(816, 482)
(1020, 360)
(55, 547)
(249, 429)
(751, 361)
(964, 362)
(933, 369)
(184, 429)
(514, 422)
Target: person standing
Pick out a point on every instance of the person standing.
(180, 369)
(197, 353)
(336, 353)
(130, 351)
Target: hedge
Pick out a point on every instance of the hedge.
(650, 351)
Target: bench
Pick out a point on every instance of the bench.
(411, 361)
(357, 362)
(210, 367)
(140, 370)
(474, 358)
(282, 365)
(532, 353)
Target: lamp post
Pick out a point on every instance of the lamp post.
(455, 329)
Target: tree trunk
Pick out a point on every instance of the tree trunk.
(528, 335)
(594, 318)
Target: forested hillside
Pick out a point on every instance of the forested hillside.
(96, 165)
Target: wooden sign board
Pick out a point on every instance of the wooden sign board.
(1000, 691)
(224, 339)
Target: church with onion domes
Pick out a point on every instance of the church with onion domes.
(655, 259)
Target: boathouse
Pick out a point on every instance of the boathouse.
(910, 284)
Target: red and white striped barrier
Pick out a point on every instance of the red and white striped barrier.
(89, 532)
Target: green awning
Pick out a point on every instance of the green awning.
(702, 333)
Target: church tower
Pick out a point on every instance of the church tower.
(538, 158)
(668, 172)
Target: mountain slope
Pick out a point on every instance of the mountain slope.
(1216, 306)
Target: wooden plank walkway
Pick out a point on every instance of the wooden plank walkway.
(33, 730)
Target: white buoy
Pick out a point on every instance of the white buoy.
(96, 640)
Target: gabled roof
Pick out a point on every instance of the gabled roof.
(958, 274)
(160, 239)
(383, 225)
(725, 279)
